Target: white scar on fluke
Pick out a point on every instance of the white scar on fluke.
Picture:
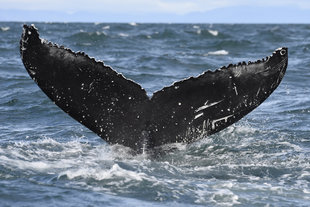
(198, 115)
(207, 105)
(220, 119)
(235, 88)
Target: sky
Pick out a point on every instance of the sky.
(157, 11)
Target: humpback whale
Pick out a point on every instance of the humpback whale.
(119, 111)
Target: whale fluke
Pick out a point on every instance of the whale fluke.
(119, 110)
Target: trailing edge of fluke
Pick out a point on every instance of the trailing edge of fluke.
(118, 109)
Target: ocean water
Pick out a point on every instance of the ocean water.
(49, 159)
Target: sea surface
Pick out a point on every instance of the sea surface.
(49, 159)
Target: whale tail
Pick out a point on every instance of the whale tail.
(118, 109)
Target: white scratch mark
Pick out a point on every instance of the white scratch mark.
(236, 90)
(91, 87)
(258, 92)
(237, 72)
(198, 115)
(207, 106)
(204, 126)
(220, 119)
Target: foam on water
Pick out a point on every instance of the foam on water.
(4, 29)
(123, 35)
(133, 24)
(213, 32)
(218, 52)
(106, 27)
(213, 161)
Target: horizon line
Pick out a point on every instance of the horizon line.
(158, 22)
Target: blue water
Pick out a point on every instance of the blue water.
(48, 159)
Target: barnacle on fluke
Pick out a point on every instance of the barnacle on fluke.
(119, 110)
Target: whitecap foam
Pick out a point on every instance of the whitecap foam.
(123, 35)
(72, 159)
(225, 197)
(45, 155)
(244, 129)
(106, 27)
(198, 30)
(114, 173)
(218, 52)
(213, 32)
(4, 29)
(294, 147)
(307, 191)
(100, 33)
(218, 194)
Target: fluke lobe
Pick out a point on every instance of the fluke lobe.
(118, 109)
